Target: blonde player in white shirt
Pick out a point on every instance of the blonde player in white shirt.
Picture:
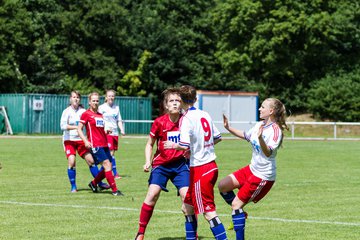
(72, 142)
(255, 180)
(199, 134)
(113, 121)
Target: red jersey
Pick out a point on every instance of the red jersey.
(94, 124)
(163, 129)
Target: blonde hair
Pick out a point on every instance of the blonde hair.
(279, 114)
(93, 94)
(107, 91)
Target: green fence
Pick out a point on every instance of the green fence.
(41, 113)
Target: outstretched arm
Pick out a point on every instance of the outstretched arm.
(172, 145)
(233, 131)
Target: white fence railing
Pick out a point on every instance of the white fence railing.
(328, 134)
(330, 130)
(354, 135)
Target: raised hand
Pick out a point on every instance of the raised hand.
(226, 122)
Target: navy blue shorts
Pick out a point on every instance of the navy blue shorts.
(178, 172)
(100, 154)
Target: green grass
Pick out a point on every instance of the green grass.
(316, 195)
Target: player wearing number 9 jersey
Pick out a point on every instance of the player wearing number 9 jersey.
(199, 134)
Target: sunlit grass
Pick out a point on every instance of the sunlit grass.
(315, 196)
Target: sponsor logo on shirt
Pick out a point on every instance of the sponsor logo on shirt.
(99, 122)
(173, 136)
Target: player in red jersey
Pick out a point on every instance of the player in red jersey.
(97, 142)
(166, 163)
(72, 142)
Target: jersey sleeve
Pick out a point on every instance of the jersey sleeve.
(154, 131)
(118, 117)
(217, 134)
(185, 132)
(64, 120)
(101, 109)
(275, 137)
(83, 118)
(247, 134)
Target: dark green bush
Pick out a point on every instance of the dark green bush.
(336, 97)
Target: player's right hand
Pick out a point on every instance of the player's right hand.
(147, 166)
(88, 144)
(226, 122)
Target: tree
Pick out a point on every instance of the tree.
(15, 26)
(283, 46)
(336, 97)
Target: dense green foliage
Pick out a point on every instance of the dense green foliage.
(278, 48)
(336, 97)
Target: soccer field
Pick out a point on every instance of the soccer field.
(316, 195)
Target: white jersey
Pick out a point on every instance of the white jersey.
(198, 132)
(112, 116)
(262, 166)
(71, 116)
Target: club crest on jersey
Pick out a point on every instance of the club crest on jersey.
(173, 136)
(255, 146)
(99, 122)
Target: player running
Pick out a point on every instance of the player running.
(97, 142)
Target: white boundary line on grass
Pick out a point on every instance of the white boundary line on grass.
(178, 212)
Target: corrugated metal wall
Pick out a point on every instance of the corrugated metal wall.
(25, 119)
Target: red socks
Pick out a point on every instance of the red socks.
(145, 215)
(111, 180)
(99, 177)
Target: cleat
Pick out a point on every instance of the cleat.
(74, 190)
(139, 236)
(93, 187)
(117, 193)
(103, 186)
(117, 176)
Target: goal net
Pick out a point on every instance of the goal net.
(6, 119)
